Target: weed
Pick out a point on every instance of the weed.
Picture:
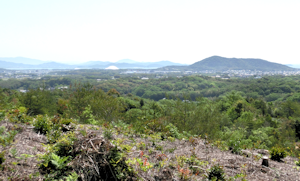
(171, 150)
(55, 167)
(159, 147)
(298, 162)
(120, 167)
(181, 160)
(235, 146)
(220, 144)
(277, 153)
(108, 134)
(170, 138)
(59, 162)
(66, 121)
(6, 137)
(126, 148)
(183, 173)
(88, 117)
(19, 115)
(173, 131)
(150, 151)
(141, 146)
(54, 133)
(216, 173)
(142, 162)
(72, 177)
(42, 124)
(2, 159)
(64, 144)
(83, 132)
(13, 151)
(25, 157)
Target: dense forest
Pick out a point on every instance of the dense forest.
(233, 114)
(268, 88)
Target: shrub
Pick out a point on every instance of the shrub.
(67, 121)
(42, 124)
(107, 134)
(216, 173)
(58, 127)
(6, 137)
(55, 166)
(18, 115)
(2, 159)
(298, 162)
(173, 131)
(277, 153)
(64, 145)
(54, 133)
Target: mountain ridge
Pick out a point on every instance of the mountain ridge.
(122, 64)
(218, 63)
(214, 63)
(29, 61)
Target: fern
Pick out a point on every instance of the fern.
(59, 162)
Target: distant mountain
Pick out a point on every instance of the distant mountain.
(55, 65)
(50, 65)
(27, 63)
(128, 63)
(222, 63)
(218, 63)
(23, 60)
(5, 64)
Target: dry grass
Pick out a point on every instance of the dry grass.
(25, 142)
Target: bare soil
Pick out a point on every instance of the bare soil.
(250, 164)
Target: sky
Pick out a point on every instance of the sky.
(182, 31)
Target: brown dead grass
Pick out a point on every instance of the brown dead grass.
(25, 142)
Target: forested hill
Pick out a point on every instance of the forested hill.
(84, 133)
(218, 63)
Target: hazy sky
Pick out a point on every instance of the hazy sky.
(182, 31)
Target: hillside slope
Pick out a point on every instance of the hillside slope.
(100, 156)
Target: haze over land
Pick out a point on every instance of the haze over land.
(178, 31)
(214, 63)
(27, 63)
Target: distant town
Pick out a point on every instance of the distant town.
(40, 73)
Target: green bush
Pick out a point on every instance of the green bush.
(216, 173)
(2, 114)
(55, 167)
(107, 134)
(6, 137)
(42, 124)
(64, 145)
(2, 159)
(18, 115)
(173, 131)
(236, 139)
(277, 153)
(298, 162)
(54, 133)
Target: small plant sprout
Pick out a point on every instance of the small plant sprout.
(14, 152)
